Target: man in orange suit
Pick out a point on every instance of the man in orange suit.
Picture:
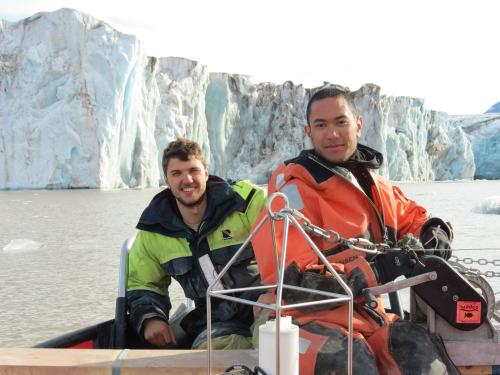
(334, 185)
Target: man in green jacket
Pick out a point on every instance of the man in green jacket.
(187, 232)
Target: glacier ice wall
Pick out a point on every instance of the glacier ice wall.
(182, 84)
(81, 105)
(483, 132)
(77, 100)
(417, 143)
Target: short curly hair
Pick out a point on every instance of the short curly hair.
(182, 148)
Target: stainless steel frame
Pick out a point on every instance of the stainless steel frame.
(285, 214)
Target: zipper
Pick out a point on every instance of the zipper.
(195, 253)
(380, 218)
(226, 280)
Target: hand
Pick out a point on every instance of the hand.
(391, 265)
(266, 298)
(436, 234)
(158, 332)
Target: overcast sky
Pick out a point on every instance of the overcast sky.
(444, 51)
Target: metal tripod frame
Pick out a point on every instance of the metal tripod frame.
(285, 214)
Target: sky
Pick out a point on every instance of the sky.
(443, 51)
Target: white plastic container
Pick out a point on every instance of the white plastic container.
(289, 347)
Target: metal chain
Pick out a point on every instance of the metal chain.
(331, 236)
(479, 261)
(365, 245)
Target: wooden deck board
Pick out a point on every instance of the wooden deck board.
(27, 361)
(184, 361)
(31, 361)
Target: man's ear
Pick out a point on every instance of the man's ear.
(307, 129)
(360, 122)
(165, 176)
(206, 174)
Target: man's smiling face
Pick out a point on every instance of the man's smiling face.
(333, 129)
(187, 180)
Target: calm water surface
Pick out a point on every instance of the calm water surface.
(59, 250)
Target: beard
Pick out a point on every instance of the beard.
(191, 204)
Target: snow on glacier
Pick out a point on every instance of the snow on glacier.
(81, 105)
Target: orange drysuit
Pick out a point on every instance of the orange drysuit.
(355, 202)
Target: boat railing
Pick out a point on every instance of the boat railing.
(120, 328)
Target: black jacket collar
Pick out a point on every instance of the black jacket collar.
(162, 215)
(364, 156)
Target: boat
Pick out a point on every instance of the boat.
(473, 343)
(117, 333)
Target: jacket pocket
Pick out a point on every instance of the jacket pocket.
(223, 255)
(243, 272)
(178, 266)
(182, 270)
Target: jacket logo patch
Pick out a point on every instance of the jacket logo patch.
(226, 234)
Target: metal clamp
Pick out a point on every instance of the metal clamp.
(361, 244)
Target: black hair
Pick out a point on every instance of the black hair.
(332, 92)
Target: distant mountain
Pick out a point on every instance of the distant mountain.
(495, 108)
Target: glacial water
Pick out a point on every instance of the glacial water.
(59, 250)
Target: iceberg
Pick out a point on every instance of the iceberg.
(490, 205)
(19, 246)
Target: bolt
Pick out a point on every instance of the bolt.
(444, 288)
(455, 298)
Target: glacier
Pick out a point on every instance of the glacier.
(495, 108)
(483, 131)
(78, 99)
(83, 106)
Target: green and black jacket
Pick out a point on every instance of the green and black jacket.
(166, 248)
